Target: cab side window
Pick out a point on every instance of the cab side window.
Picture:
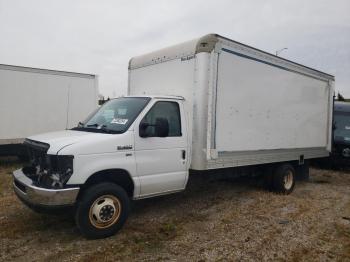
(167, 110)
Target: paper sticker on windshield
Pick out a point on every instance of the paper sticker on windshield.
(347, 127)
(347, 138)
(119, 121)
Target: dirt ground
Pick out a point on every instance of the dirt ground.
(212, 220)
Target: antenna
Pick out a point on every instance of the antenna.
(280, 50)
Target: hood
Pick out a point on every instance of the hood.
(61, 139)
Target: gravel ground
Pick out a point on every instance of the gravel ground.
(212, 220)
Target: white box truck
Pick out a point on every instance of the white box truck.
(36, 100)
(207, 104)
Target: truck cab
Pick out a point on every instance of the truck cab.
(140, 143)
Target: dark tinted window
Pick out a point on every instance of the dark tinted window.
(342, 125)
(167, 110)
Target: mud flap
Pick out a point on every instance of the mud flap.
(302, 171)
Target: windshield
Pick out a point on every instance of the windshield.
(114, 116)
(342, 125)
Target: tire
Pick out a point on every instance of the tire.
(102, 210)
(284, 179)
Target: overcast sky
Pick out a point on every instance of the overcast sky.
(99, 37)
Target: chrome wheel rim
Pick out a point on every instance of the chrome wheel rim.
(105, 211)
(288, 180)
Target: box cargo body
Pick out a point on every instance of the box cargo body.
(34, 101)
(245, 106)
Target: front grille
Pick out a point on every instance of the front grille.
(37, 152)
(45, 170)
(36, 145)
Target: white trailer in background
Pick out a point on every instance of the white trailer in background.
(35, 100)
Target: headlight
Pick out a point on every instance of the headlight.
(61, 169)
(50, 171)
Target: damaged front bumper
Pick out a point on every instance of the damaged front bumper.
(34, 196)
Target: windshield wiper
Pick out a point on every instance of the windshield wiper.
(94, 125)
(99, 127)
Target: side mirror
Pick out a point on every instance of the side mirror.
(162, 127)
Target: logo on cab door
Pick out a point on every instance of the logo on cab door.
(185, 58)
(127, 147)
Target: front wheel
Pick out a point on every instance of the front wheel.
(102, 210)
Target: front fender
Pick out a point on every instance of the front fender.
(86, 165)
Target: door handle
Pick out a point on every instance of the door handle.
(183, 153)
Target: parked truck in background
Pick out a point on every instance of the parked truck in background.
(208, 104)
(340, 155)
(36, 100)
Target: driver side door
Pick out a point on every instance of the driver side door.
(162, 161)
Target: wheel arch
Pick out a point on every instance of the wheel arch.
(120, 177)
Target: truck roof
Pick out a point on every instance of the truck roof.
(207, 43)
(44, 71)
(160, 96)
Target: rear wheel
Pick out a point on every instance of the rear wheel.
(284, 179)
(102, 210)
